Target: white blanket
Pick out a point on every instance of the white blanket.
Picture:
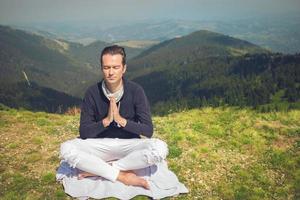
(162, 181)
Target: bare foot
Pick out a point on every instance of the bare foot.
(84, 174)
(130, 178)
(126, 177)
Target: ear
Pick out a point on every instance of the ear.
(124, 68)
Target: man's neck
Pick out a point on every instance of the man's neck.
(114, 87)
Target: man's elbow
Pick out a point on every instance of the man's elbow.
(149, 132)
(82, 132)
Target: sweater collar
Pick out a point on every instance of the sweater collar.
(117, 94)
(125, 88)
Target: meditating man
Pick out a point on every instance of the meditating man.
(115, 113)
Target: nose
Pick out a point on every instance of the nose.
(110, 71)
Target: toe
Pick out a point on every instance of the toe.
(80, 176)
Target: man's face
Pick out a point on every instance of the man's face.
(112, 68)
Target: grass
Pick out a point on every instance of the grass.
(218, 153)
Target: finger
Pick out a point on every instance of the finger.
(111, 111)
(146, 185)
(111, 104)
(116, 110)
(112, 98)
(114, 104)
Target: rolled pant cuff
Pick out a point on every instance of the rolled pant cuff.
(113, 175)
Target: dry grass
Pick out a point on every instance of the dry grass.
(221, 153)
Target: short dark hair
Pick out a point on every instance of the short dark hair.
(114, 50)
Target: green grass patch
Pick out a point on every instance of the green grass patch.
(12, 145)
(33, 157)
(218, 153)
(43, 122)
(48, 178)
(37, 140)
(216, 131)
(3, 122)
(174, 151)
(198, 127)
(16, 185)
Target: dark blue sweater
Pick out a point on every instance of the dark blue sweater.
(134, 108)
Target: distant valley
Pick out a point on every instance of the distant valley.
(278, 34)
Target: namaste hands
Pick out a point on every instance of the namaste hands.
(114, 115)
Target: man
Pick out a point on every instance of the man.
(114, 114)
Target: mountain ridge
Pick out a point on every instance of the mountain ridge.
(197, 45)
(197, 65)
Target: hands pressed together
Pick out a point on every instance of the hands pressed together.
(114, 115)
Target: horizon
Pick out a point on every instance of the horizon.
(116, 12)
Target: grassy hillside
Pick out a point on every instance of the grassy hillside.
(208, 67)
(222, 153)
(138, 43)
(211, 68)
(50, 63)
(45, 61)
(59, 65)
(90, 53)
(190, 48)
(36, 98)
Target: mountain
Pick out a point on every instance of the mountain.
(45, 62)
(36, 98)
(277, 33)
(188, 49)
(56, 79)
(140, 44)
(49, 61)
(207, 68)
(202, 68)
(90, 53)
(65, 67)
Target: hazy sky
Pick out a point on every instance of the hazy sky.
(21, 11)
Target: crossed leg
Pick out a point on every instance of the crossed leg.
(126, 177)
(91, 157)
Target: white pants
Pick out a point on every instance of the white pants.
(93, 155)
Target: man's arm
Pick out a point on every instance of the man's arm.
(89, 127)
(144, 125)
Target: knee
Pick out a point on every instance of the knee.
(69, 153)
(161, 147)
(158, 151)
